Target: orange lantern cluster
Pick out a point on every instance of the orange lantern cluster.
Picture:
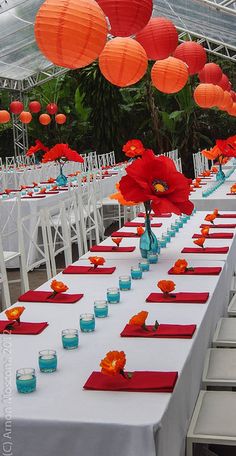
(169, 75)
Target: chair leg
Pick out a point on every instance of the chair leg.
(6, 300)
(189, 447)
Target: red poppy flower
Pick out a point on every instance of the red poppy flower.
(62, 151)
(36, 148)
(156, 179)
(133, 148)
(200, 241)
(113, 363)
(226, 147)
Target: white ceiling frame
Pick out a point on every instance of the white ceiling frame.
(222, 5)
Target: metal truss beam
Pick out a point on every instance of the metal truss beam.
(228, 6)
(20, 130)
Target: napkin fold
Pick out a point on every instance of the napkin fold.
(199, 271)
(24, 327)
(205, 250)
(125, 234)
(185, 297)
(163, 331)
(44, 296)
(141, 381)
(110, 248)
(219, 225)
(88, 270)
(142, 214)
(215, 236)
(135, 224)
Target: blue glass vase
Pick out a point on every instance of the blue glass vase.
(61, 180)
(148, 241)
(220, 175)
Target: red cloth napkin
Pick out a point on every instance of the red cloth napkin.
(220, 225)
(43, 296)
(142, 214)
(88, 270)
(110, 248)
(215, 236)
(199, 271)
(231, 194)
(134, 224)
(205, 250)
(124, 234)
(143, 381)
(197, 298)
(63, 189)
(33, 197)
(226, 215)
(24, 327)
(163, 331)
(52, 192)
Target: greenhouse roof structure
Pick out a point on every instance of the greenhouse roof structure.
(22, 66)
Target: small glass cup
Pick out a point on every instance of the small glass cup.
(70, 339)
(152, 258)
(23, 192)
(5, 196)
(101, 308)
(48, 361)
(144, 265)
(48, 186)
(162, 242)
(113, 295)
(180, 223)
(36, 189)
(87, 322)
(136, 273)
(125, 283)
(26, 380)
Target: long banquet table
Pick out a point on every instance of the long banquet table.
(61, 417)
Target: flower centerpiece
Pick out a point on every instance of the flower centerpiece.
(57, 287)
(222, 151)
(114, 363)
(14, 316)
(61, 153)
(37, 149)
(166, 286)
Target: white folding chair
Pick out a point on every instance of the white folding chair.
(219, 368)
(10, 161)
(225, 333)
(6, 300)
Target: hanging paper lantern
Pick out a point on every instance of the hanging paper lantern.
(60, 119)
(232, 111)
(159, 38)
(44, 119)
(224, 82)
(69, 33)
(16, 107)
(34, 107)
(52, 108)
(193, 54)
(169, 75)
(25, 117)
(126, 17)
(211, 73)
(4, 116)
(123, 61)
(233, 95)
(206, 95)
(226, 103)
(219, 95)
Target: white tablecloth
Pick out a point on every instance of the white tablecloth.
(60, 417)
(218, 198)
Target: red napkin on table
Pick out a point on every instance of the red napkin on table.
(205, 250)
(24, 327)
(124, 234)
(63, 189)
(215, 236)
(142, 214)
(226, 215)
(163, 331)
(33, 197)
(43, 296)
(134, 224)
(199, 271)
(110, 248)
(197, 298)
(231, 194)
(52, 192)
(220, 225)
(88, 270)
(141, 381)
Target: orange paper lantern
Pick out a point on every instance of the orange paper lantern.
(44, 119)
(4, 116)
(25, 117)
(123, 61)
(211, 73)
(52, 108)
(34, 106)
(224, 82)
(16, 107)
(169, 75)
(159, 38)
(60, 119)
(69, 33)
(126, 17)
(193, 54)
(232, 111)
(206, 95)
(226, 103)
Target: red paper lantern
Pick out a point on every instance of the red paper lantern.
(60, 119)
(126, 17)
(226, 103)
(211, 73)
(169, 75)
(34, 107)
(4, 116)
(52, 108)
(193, 54)
(16, 107)
(159, 38)
(224, 82)
(25, 117)
(123, 61)
(44, 119)
(69, 33)
(206, 95)
(232, 111)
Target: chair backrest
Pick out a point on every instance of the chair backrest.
(102, 160)
(93, 160)
(11, 179)
(3, 279)
(10, 161)
(198, 163)
(88, 212)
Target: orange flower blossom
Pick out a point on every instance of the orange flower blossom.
(113, 363)
(166, 286)
(58, 287)
(200, 241)
(97, 261)
(15, 313)
(216, 212)
(119, 197)
(205, 231)
(180, 266)
(210, 218)
(233, 188)
(117, 241)
(140, 230)
(133, 148)
(139, 319)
